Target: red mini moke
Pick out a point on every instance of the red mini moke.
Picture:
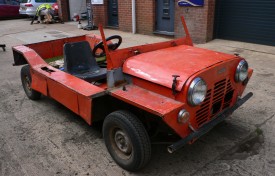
(139, 91)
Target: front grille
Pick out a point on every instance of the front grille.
(228, 95)
(217, 99)
(203, 113)
(218, 96)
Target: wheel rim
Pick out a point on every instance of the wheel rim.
(121, 143)
(27, 83)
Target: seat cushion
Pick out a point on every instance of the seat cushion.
(91, 76)
(79, 61)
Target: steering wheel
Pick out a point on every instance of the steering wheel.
(111, 46)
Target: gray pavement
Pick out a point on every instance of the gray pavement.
(45, 138)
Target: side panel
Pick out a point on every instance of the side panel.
(68, 90)
(63, 95)
(171, 120)
(50, 49)
(57, 47)
(44, 49)
(147, 100)
(85, 108)
(162, 106)
(39, 83)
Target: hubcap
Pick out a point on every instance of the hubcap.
(122, 142)
(28, 83)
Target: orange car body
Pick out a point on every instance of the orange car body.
(145, 82)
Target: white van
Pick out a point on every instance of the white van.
(28, 7)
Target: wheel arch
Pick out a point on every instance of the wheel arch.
(104, 105)
(19, 58)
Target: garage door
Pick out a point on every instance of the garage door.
(246, 20)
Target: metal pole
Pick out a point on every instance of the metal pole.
(134, 16)
(90, 19)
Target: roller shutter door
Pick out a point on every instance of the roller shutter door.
(246, 20)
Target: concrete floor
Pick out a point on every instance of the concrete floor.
(45, 138)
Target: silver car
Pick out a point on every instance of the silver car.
(28, 7)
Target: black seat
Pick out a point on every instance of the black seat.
(79, 61)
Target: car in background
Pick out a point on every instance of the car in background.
(9, 8)
(28, 7)
(55, 9)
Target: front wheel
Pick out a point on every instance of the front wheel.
(127, 140)
(26, 83)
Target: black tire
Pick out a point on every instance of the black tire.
(26, 83)
(121, 126)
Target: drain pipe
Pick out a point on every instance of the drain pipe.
(134, 16)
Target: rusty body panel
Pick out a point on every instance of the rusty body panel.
(180, 60)
(145, 79)
(118, 57)
(70, 91)
(158, 104)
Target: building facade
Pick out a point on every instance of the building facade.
(158, 17)
(246, 20)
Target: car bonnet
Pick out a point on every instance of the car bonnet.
(159, 66)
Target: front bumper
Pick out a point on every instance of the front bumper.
(207, 127)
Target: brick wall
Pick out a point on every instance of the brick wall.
(200, 21)
(210, 20)
(63, 10)
(100, 13)
(145, 16)
(125, 15)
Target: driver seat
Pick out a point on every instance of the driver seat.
(79, 61)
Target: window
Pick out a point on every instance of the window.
(14, 2)
(10, 2)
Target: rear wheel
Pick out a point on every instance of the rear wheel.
(127, 140)
(26, 83)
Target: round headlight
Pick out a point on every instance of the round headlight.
(197, 91)
(242, 71)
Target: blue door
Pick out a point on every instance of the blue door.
(112, 13)
(165, 12)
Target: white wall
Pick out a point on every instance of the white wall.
(77, 6)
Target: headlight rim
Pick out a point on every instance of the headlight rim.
(191, 91)
(242, 63)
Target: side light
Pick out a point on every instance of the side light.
(183, 116)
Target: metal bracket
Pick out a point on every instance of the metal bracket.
(174, 85)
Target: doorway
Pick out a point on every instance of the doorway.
(165, 14)
(113, 13)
